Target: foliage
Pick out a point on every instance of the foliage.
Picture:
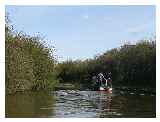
(129, 64)
(29, 63)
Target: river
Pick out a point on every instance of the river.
(81, 104)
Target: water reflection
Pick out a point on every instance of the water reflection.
(106, 106)
(29, 104)
(69, 103)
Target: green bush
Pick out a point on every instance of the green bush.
(29, 63)
(130, 65)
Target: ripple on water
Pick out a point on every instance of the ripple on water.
(132, 93)
(141, 94)
(94, 104)
(69, 103)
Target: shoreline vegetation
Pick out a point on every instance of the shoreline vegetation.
(31, 65)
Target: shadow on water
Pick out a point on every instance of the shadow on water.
(72, 103)
(29, 104)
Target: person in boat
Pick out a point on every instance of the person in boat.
(109, 75)
(101, 79)
(109, 80)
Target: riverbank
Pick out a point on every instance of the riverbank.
(136, 89)
(59, 86)
(81, 87)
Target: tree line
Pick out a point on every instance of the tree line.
(130, 65)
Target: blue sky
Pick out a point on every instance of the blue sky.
(80, 32)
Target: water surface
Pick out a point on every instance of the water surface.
(72, 103)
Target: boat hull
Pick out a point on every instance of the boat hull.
(105, 89)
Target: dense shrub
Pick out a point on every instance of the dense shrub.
(29, 63)
(130, 65)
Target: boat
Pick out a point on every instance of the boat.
(103, 85)
(105, 89)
